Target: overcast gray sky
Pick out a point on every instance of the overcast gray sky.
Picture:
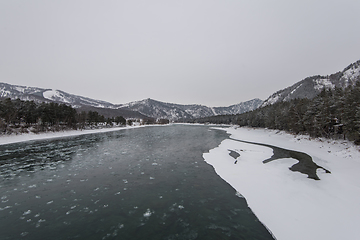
(211, 52)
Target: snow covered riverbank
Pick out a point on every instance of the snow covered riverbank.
(291, 205)
(8, 139)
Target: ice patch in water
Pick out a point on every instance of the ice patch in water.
(148, 213)
(32, 186)
(154, 164)
(23, 234)
(239, 195)
(151, 178)
(5, 208)
(27, 212)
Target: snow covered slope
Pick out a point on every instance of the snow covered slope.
(74, 100)
(239, 108)
(49, 95)
(171, 111)
(311, 86)
(145, 108)
(21, 92)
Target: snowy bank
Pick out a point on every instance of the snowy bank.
(8, 139)
(291, 205)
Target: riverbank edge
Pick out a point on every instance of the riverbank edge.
(291, 198)
(9, 139)
(24, 137)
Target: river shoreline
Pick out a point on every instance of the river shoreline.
(9, 139)
(305, 165)
(291, 205)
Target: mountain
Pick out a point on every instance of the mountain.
(49, 95)
(139, 109)
(311, 86)
(80, 103)
(171, 111)
(238, 108)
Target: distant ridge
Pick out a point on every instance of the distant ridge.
(80, 103)
(172, 111)
(311, 86)
(138, 109)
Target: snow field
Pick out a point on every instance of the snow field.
(291, 205)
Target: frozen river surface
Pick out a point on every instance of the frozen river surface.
(145, 183)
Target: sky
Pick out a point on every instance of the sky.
(209, 52)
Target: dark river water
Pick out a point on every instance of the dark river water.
(145, 183)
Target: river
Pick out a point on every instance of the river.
(145, 183)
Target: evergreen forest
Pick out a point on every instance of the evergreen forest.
(333, 113)
(18, 116)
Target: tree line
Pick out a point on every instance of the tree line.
(22, 116)
(333, 113)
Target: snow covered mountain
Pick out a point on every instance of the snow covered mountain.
(238, 108)
(171, 111)
(311, 86)
(139, 109)
(49, 95)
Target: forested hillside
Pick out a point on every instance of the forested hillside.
(334, 113)
(18, 116)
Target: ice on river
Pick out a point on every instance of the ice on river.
(291, 205)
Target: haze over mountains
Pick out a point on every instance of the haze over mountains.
(306, 88)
